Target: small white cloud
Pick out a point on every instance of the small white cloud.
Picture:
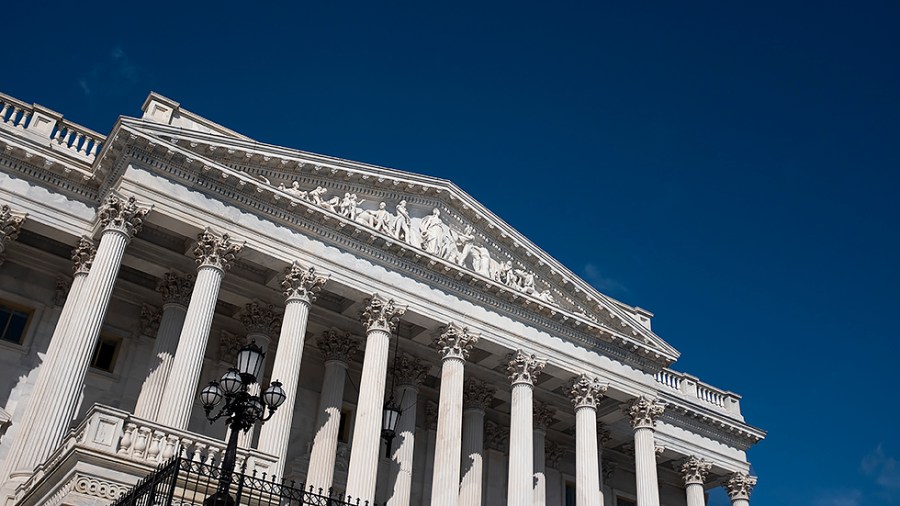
(883, 468)
(603, 283)
(112, 75)
(839, 498)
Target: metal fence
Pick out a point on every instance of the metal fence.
(184, 482)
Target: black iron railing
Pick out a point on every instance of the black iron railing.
(184, 482)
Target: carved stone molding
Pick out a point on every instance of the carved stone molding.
(543, 415)
(586, 391)
(455, 342)
(431, 415)
(337, 345)
(524, 368)
(739, 486)
(214, 251)
(381, 314)
(495, 436)
(97, 487)
(410, 370)
(644, 411)
(150, 317)
(477, 394)
(83, 256)
(608, 469)
(301, 283)
(122, 215)
(603, 434)
(260, 319)
(693, 470)
(10, 225)
(553, 452)
(229, 344)
(176, 289)
(62, 291)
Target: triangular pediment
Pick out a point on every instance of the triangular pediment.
(415, 216)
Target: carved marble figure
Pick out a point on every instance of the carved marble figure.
(432, 230)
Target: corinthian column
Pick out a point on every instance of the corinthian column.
(543, 417)
(380, 318)
(523, 370)
(454, 345)
(29, 427)
(477, 397)
(176, 294)
(119, 219)
(585, 393)
(410, 373)
(10, 224)
(299, 286)
(739, 486)
(694, 472)
(337, 349)
(643, 412)
(261, 321)
(214, 256)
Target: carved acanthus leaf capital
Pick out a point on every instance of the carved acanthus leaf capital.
(176, 289)
(739, 486)
(455, 342)
(260, 319)
(229, 344)
(62, 291)
(543, 415)
(150, 317)
(431, 415)
(214, 251)
(381, 314)
(524, 367)
(553, 452)
(410, 370)
(83, 256)
(603, 434)
(644, 411)
(301, 283)
(495, 436)
(122, 215)
(694, 470)
(477, 394)
(337, 345)
(10, 225)
(586, 391)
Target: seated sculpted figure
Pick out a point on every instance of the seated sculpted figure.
(294, 190)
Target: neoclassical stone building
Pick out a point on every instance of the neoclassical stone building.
(135, 264)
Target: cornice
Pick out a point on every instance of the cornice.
(703, 421)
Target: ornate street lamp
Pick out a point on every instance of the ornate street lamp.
(241, 410)
(391, 412)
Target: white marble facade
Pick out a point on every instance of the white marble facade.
(133, 265)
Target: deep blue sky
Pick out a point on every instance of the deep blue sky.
(733, 169)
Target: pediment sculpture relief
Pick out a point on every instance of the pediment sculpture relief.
(430, 234)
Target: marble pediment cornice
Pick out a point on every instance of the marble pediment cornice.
(257, 170)
(701, 420)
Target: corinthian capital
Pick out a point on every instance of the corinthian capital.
(410, 370)
(214, 251)
(122, 215)
(83, 256)
(455, 342)
(477, 394)
(300, 283)
(739, 486)
(644, 411)
(150, 317)
(495, 436)
(524, 368)
(260, 319)
(176, 289)
(694, 470)
(336, 345)
(543, 415)
(381, 314)
(586, 391)
(10, 224)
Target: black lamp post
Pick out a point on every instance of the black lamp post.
(391, 412)
(241, 409)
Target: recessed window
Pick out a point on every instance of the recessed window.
(13, 322)
(570, 493)
(105, 353)
(344, 426)
(621, 501)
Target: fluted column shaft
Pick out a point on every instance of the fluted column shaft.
(540, 468)
(521, 444)
(645, 467)
(740, 502)
(695, 496)
(275, 434)
(694, 470)
(448, 447)
(402, 457)
(170, 325)
(587, 472)
(470, 488)
(362, 472)
(328, 420)
(178, 396)
(245, 438)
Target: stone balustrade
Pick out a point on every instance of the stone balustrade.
(694, 389)
(48, 127)
(125, 439)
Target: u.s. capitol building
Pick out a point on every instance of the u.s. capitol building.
(136, 263)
